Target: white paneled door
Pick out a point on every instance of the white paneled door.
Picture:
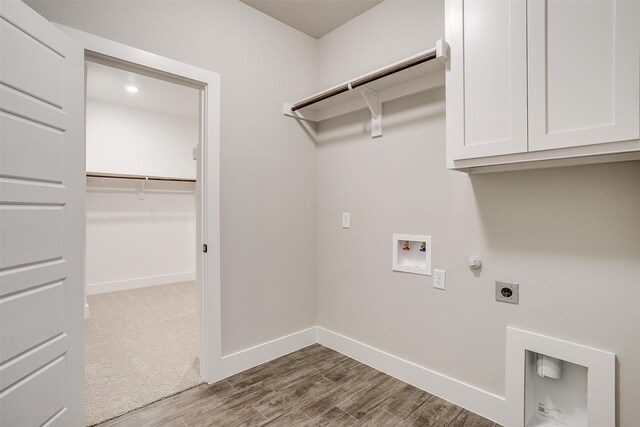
(41, 221)
(584, 74)
(487, 78)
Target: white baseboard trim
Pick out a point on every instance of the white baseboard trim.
(475, 399)
(261, 353)
(142, 282)
(480, 401)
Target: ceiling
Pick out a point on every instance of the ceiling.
(108, 84)
(313, 17)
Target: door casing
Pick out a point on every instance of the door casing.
(98, 49)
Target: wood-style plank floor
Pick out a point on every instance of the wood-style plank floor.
(314, 386)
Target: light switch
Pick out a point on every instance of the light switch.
(346, 220)
(439, 278)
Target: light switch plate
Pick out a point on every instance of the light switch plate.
(439, 279)
(346, 220)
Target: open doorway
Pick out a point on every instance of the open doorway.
(142, 331)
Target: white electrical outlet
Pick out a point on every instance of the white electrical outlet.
(346, 220)
(439, 279)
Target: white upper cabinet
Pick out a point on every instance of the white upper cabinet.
(583, 72)
(542, 80)
(487, 79)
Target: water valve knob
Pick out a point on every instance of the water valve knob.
(475, 263)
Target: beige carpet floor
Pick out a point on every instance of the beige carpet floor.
(140, 346)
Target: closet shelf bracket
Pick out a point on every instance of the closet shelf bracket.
(141, 188)
(372, 101)
(442, 51)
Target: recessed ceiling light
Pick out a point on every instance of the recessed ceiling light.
(131, 89)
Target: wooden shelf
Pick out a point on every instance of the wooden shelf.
(418, 78)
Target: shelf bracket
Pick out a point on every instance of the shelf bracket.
(307, 117)
(375, 107)
(142, 188)
(442, 51)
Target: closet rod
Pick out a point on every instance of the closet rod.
(139, 177)
(396, 68)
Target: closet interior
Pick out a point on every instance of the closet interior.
(141, 327)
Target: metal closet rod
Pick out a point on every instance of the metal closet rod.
(366, 79)
(138, 177)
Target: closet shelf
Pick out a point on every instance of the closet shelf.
(139, 184)
(417, 73)
(137, 177)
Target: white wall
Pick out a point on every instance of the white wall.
(386, 33)
(569, 236)
(133, 243)
(122, 139)
(267, 161)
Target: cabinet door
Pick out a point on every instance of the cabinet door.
(487, 78)
(583, 72)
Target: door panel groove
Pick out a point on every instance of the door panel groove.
(54, 417)
(6, 299)
(28, 352)
(11, 387)
(30, 119)
(29, 290)
(30, 95)
(17, 279)
(31, 109)
(34, 204)
(25, 179)
(30, 264)
(17, 192)
(18, 28)
(30, 181)
(9, 206)
(28, 362)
